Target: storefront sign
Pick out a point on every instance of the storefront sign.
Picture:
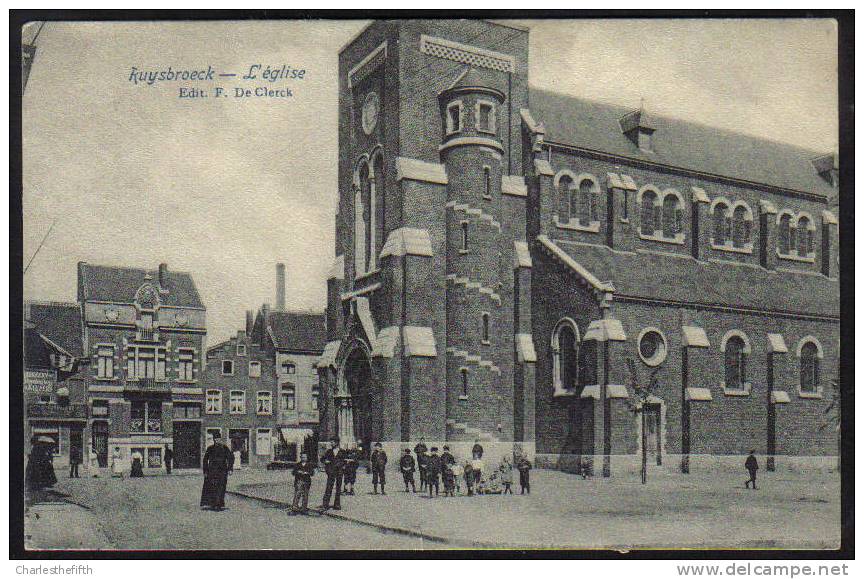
(39, 381)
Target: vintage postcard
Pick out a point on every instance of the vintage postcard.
(431, 284)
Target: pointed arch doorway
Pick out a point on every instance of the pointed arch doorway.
(353, 399)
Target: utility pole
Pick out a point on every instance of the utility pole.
(40, 247)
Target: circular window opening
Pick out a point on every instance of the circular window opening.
(652, 347)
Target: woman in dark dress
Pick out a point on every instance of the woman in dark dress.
(40, 468)
(137, 465)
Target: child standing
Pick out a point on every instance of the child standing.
(506, 469)
(302, 481)
(449, 479)
(524, 468)
(469, 478)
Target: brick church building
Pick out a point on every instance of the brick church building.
(513, 266)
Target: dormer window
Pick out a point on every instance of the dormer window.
(485, 117)
(454, 117)
(637, 127)
(827, 167)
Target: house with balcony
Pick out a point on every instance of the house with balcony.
(144, 331)
(55, 396)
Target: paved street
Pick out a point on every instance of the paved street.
(703, 510)
(162, 513)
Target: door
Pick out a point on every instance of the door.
(76, 441)
(240, 443)
(100, 442)
(187, 444)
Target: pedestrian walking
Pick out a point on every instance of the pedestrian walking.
(303, 473)
(352, 463)
(218, 462)
(334, 464)
(75, 459)
(137, 465)
(39, 473)
(169, 459)
(420, 450)
(468, 473)
(433, 471)
(378, 461)
(406, 466)
(752, 465)
(524, 468)
(116, 463)
(506, 469)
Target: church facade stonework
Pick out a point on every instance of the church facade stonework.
(514, 266)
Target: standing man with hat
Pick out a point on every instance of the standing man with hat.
(406, 465)
(334, 464)
(379, 464)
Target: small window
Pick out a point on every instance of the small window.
(288, 368)
(805, 237)
(185, 360)
(625, 209)
(316, 397)
(100, 408)
(485, 330)
(485, 118)
(648, 219)
(265, 402)
(487, 183)
(454, 117)
(784, 236)
(809, 366)
(652, 347)
(735, 363)
(254, 369)
(722, 224)
(263, 442)
(227, 367)
(288, 398)
(237, 402)
(464, 373)
(182, 410)
(214, 402)
(105, 362)
(241, 349)
(464, 232)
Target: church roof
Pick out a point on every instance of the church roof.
(680, 278)
(686, 145)
(119, 284)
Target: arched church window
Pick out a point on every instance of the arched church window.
(586, 202)
(378, 188)
(805, 236)
(735, 363)
(565, 188)
(672, 216)
(784, 234)
(721, 224)
(565, 352)
(648, 216)
(809, 367)
(741, 226)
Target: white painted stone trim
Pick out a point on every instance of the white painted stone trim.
(328, 357)
(628, 182)
(767, 207)
(592, 391)
(542, 167)
(337, 270)
(522, 254)
(417, 170)
(780, 397)
(532, 124)
(699, 195)
(614, 181)
(178, 390)
(829, 218)
(776, 344)
(513, 185)
(408, 241)
(366, 60)
(608, 329)
(419, 341)
(583, 273)
(525, 348)
(472, 141)
(617, 391)
(698, 394)
(361, 306)
(694, 337)
(385, 344)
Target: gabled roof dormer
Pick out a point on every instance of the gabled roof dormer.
(828, 167)
(638, 127)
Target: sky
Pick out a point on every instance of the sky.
(226, 188)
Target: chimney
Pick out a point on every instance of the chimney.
(280, 287)
(250, 322)
(163, 275)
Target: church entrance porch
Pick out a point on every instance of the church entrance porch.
(353, 401)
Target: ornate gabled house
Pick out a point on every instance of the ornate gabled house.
(144, 332)
(505, 256)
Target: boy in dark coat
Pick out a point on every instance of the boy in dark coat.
(433, 471)
(406, 465)
(334, 463)
(352, 463)
(303, 473)
(752, 465)
(420, 450)
(524, 468)
(469, 478)
(378, 461)
(218, 462)
(169, 459)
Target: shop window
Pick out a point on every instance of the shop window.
(146, 417)
(154, 458)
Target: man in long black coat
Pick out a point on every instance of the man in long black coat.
(218, 462)
(334, 465)
(752, 466)
(420, 450)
